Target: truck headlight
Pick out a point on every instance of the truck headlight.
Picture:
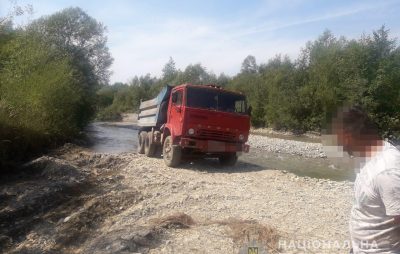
(241, 137)
(191, 131)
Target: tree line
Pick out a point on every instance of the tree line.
(50, 71)
(299, 94)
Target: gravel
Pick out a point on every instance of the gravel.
(128, 192)
(277, 145)
(300, 208)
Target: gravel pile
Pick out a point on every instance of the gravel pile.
(277, 145)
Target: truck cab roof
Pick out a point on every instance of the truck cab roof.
(207, 86)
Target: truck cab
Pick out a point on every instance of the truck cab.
(196, 120)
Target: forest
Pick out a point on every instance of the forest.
(54, 80)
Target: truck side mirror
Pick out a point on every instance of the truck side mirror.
(249, 109)
(174, 97)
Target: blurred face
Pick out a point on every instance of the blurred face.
(358, 145)
(343, 138)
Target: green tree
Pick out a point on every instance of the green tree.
(83, 40)
(279, 81)
(223, 80)
(251, 84)
(81, 37)
(169, 72)
(48, 81)
(37, 83)
(320, 80)
(195, 74)
(249, 65)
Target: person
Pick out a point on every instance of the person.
(375, 215)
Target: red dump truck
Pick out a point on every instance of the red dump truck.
(194, 120)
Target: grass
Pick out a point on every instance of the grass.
(177, 220)
(246, 231)
(241, 231)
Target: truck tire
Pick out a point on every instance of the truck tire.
(228, 159)
(171, 154)
(142, 141)
(149, 146)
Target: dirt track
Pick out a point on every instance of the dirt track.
(74, 201)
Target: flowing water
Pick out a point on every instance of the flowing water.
(301, 166)
(112, 138)
(117, 138)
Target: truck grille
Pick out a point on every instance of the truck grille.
(216, 135)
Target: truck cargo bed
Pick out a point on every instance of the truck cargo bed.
(153, 113)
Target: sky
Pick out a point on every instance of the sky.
(219, 34)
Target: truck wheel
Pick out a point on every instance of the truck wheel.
(171, 154)
(142, 141)
(228, 159)
(149, 146)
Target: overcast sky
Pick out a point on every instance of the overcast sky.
(219, 34)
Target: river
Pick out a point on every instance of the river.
(112, 138)
(117, 138)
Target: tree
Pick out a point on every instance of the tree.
(280, 94)
(249, 65)
(81, 37)
(382, 94)
(49, 73)
(223, 80)
(320, 82)
(169, 71)
(17, 11)
(195, 74)
(38, 90)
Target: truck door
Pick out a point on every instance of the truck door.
(176, 111)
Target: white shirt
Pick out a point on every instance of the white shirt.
(377, 201)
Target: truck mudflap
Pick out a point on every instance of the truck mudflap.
(211, 146)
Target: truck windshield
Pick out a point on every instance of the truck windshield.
(198, 97)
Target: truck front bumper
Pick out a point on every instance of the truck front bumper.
(211, 146)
